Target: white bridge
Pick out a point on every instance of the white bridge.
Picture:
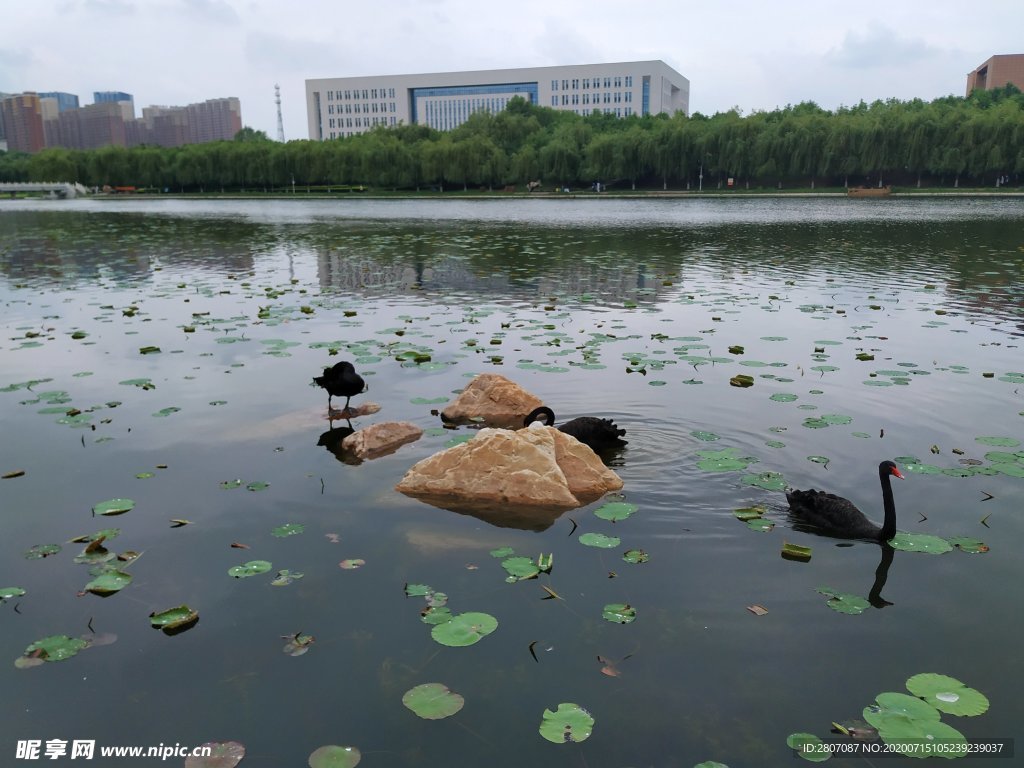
(61, 189)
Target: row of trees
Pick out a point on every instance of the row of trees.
(950, 141)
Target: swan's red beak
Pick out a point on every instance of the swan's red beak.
(895, 471)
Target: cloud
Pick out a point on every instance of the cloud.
(879, 47)
(216, 11)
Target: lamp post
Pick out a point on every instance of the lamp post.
(700, 177)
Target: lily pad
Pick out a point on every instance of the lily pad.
(39, 551)
(1000, 442)
(635, 556)
(433, 701)
(770, 481)
(619, 613)
(333, 756)
(113, 507)
(464, 629)
(947, 694)
(520, 568)
(783, 397)
(174, 620)
(252, 568)
(599, 540)
(257, 485)
(352, 564)
(225, 754)
(968, 544)
(285, 577)
(760, 524)
(842, 602)
(707, 437)
(796, 552)
(808, 746)
(502, 552)
(8, 592)
(55, 648)
(569, 723)
(108, 583)
(290, 529)
(920, 542)
(616, 510)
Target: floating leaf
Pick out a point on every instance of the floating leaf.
(333, 756)
(947, 694)
(8, 592)
(707, 437)
(635, 556)
(148, 350)
(520, 568)
(231, 484)
(257, 485)
(760, 524)
(352, 564)
(749, 513)
(39, 551)
(113, 507)
(433, 701)
(285, 577)
(770, 481)
(166, 411)
(796, 552)
(968, 544)
(226, 754)
(1000, 442)
(843, 602)
(569, 723)
(290, 529)
(108, 583)
(55, 648)
(464, 629)
(298, 644)
(599, 540)
(808, 746)
(502, 552)
(174, 620)
(616, 510)
(742, 380)
(783, 397)
(619, 613)
(920, 542)
(418, 590)
(251, 568)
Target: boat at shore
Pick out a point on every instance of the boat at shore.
(869, 191)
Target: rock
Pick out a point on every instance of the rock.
(498, 401)
(353, 412)
(516, 478)
(382, 439)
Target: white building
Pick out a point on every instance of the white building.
(344, 106)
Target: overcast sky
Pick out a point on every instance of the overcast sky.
(751, 54)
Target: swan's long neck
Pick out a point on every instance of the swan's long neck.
(889, 524)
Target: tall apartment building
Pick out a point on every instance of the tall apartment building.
(64, 100)
(214, 120)
(344, 106)
(996, 72)
(23, 122)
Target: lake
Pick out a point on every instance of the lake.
(161, 352)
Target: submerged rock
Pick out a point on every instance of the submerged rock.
(503, 475)
(494, 399)
(382, 439)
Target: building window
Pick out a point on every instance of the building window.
(575, 98)
(618, 111)
(618, 96)
(618, 81)
(607, 98)
(607, 82)
(391, 93)
(554, 101)
(576, 84)
(554, 85)
(374, 92)
(629, 96)
(365, 96)
(629, 111)
(586, 98)
(586, 82)
(629, 81)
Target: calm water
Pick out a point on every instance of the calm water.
(624, 309)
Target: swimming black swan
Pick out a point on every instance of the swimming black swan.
(340, 380)
(599, 434)
(839, 517)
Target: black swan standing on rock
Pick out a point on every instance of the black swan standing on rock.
(340, 380)
(839, 517)
(599, 434)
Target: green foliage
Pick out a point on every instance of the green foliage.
(946, 142)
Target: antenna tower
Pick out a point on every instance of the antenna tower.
(280, 122)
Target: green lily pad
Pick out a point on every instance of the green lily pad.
(599, 540)
(433, 701)
(569, 723)
(502, 552)
(635, 556)
(619, 613)
(464, 629)
(760, 524)
(174, 620)
(707, 437)
(749, 513)
(947, 694)
(615, 510)
(783, 397)
(228, 485)
(285, 577)
(113, 507)
(725, 460)
(251, 568)
(418, 590)
(108, 583)
(796, 552)
(842, 602)
(436, 615)
(520, 568)
(920, 542)
(290, 529)
(352, 563)
(999, 442)
(893, 708)
(8, 592)
(770, 481)
(257, 485)
(968, 544)
(39, 551)
(55, 648)
(166, 411)
(808, 746)
(742, 380)
(333, 756)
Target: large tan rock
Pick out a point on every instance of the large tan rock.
(498, 401)
(382, 439)
(503, 473)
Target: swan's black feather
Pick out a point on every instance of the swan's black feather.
(340, 380)
(836, 516)
(600, 434)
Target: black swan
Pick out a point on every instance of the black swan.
(599, 434)
(839, 517)
(340, 380)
